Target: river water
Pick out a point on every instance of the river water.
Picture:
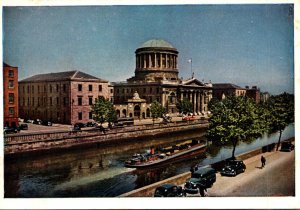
(99, 172)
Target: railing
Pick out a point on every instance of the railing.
(12, 139)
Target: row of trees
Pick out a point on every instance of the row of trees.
(237, 119)
(233, 119)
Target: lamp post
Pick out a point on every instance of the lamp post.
(191, 62)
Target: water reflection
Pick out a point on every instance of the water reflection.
(99, 172)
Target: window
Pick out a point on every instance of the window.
(57, 87)
(79, 87)
(28, 89)
(57, 101)
(117, 90)
(79, 115)
(64, 87)
(11, 110)
(90, 100)
(144, 90)
(50, 101)
(11, 73)
(100, 88)
(79, 99)
(150, 90)
(90, 87)
(38, 89)
(90, 115)
(157, 90)
(111, 90)
(11, 98)
(65, 101)
(23, 89)
(45, 88)
(10, 84)
(50, 88)
(32, 89)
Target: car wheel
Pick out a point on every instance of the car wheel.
(234, 173)
(243, 170)
(184, 194)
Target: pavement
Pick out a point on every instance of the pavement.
(277, 178)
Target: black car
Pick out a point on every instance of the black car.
(23, 127)
(91, 124)
(287, 147)
(80, 125)
(8, 130)
(37, 121)
(169, 190)
(47, 123)
(233, 167)
(203, 177)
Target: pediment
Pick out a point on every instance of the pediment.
(193, 82)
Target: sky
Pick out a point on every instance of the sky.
(250, 44)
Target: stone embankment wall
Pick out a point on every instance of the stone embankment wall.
(148, 191)
(22, 144)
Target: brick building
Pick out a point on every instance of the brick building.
(156, 79)
(10, 93)
(221, 90)
(63, 97)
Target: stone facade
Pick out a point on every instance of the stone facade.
(10, 95)
(221, 90)
(156, 79)
(63, 97)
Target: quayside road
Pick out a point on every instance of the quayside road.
(277, 178)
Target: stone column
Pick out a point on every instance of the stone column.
(199, 102)
(144, 61)
(195, 101)
(202, 102)
(160, 60)
(191, 97)
(167, 59)
(163, 97)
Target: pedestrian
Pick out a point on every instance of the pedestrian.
(201, 191)
(263, 161)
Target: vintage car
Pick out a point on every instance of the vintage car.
(233, 167)
(169, 190)
(203, 177)
(287, 147)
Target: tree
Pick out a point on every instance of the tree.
(184, 106)
(157, 110)
(281, 113)
(233, 119)
(103, 111)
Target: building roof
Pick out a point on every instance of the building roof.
(226, 86)
(6, 65)
(61, 76)
(157, 43)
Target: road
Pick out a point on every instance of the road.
(277, 178)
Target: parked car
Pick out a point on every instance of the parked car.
(91, 124)
(202, 178)
(233, 167)
(76, 128)
(287, 147)
(37, 121)
(47, 123)
(23, 127)
(80, 125)
(8, 130)
(169, 190)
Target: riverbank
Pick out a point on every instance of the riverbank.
(248, 157)
(40, 143)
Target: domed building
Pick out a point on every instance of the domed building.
(156, 78)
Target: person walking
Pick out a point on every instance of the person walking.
(263, 161)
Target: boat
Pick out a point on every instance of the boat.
(167, 154)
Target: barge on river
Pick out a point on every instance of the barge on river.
(163, 155)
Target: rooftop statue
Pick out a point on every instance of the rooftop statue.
(136, 95)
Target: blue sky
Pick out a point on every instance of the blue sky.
(240, 44)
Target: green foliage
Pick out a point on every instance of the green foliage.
(184, 106)
(157, 110)
(280, 112)
(234, 119)
(103, 111)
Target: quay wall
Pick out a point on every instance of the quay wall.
(148, 190)
(55, 141)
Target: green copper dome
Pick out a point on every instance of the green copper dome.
(157, 43)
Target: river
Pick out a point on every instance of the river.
(99, 172)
